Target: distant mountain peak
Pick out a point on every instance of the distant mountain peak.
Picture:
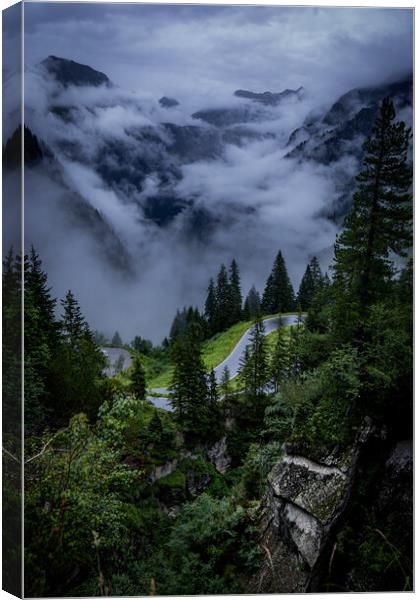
(166, 102)
(268, 98)
(68, 72)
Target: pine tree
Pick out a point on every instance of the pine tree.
(378, 226)
(316, 273)
(210, 308)
(311, 282)
(138, 379)
(116, 340)
(306, 290)
(278, 294)
(189, 391)
(213, 393)
(12, 352)
(41, 334)
(252, 305)
(280, 360)
(225, 384)
(235, 294)
(254, 368)
(222, 319)
(73, 325)
(77, 365)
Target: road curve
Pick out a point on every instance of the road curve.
(232, 362)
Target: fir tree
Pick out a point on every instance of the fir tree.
(252, 305)
(73, 326)
(306, 290)
(138, 379)
(213, 394)
(254, 363)
(116, 340)
(280, 359)
(225, 384)
(222, 319)
(189, 391)
(378, 226)
(210, 308)
(235, 294)
(278, 294)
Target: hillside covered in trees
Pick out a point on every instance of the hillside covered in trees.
(212, 496)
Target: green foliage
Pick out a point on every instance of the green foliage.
(194, 404)
(379, 224)
(252, 304)
(330, 392)
(74, 488)
(138, 378)
(278, 294)
(259, 461)
(254, 364)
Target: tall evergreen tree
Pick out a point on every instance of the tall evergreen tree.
(235, 294)
(116, 340)
(280, 359)
(213, 394)
(41, 333)
(73, 326)
(379, 224)
(311, 282)
(278, 294)
(222, 300)
(306, 290)
(138, 379)
(252, 305)
(189, 393)
(254, 363)
(76, 366)
(210, 308)
(225, 384)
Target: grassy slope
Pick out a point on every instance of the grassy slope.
(215, 351)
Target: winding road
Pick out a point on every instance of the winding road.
(232, 362)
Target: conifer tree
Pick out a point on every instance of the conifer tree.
(138, 379)
(225, 384)
(189, 392)
(278, 294)
(210, 308)
(235, 294)
(254, 363)
(280, 360)
(116, 340)
(222, 300)
(378, 226)
(306, 290)
(73, 326)
(213, 394)
(252, 305)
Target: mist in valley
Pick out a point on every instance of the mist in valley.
(242, 190)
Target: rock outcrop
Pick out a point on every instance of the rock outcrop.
(304, 502)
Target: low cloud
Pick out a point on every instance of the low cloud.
(252, 200)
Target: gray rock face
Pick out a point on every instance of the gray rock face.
(218, 455)
(304, 501)
(163, 470)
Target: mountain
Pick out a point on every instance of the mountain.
(168, 102)
(68, 72)
(113, 152)
(268, 98)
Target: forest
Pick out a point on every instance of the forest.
(125, 498)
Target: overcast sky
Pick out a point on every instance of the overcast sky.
(212, 50)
